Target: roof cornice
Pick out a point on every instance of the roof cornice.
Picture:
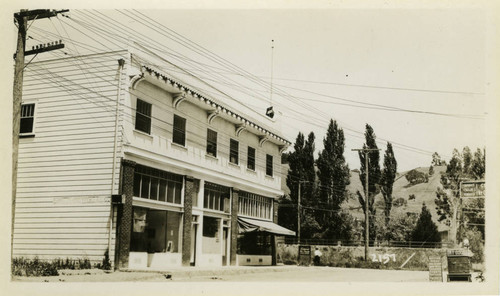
(190, 93)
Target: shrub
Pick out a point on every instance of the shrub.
(415, 177)
(476, 245)
(106, 263)
(398, 202)
(35, 267)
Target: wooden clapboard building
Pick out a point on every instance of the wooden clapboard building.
(121, 152)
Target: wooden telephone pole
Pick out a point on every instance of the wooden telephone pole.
(367, 192)
(22, 18)
(298, 215)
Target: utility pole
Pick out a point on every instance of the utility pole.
(298, 216)
(367, 192)
(22, 18)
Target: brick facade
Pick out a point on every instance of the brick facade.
(124, 226)
(234, 226)
(190, 193)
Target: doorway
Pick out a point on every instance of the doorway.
(194, 230)
(225, 233)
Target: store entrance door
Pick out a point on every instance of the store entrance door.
(224, 246)
(194, 230)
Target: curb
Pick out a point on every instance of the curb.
(214, 272)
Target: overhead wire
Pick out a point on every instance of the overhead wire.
(394, 142)
(411, 147)
(130, 121)
(384, 87)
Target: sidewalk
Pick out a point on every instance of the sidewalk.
(188, 271)
(149, 274)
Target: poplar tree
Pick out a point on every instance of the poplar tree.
(301, 162)
(387, 180)
(373, 177)
(333, 176)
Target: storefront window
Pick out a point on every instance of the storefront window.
(254, 243)
(155, 231)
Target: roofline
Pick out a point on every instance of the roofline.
(216, 105)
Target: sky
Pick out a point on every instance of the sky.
(417, 76)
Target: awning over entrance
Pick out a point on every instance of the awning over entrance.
(251, 225)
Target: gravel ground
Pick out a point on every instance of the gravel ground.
(240, 274)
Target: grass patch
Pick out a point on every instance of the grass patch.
(36, 267)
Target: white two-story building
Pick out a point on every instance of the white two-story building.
(124, 153)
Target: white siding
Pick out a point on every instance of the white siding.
(193, 159)
(65, 171)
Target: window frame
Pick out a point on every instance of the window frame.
(251, 159)
(146, 117)
(32, 117)
(145, 177)
(255, 205)
(216, 197)
(234, 151)
(269, 166)
(179, 131)
(211, 142)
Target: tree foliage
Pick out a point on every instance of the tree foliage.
(301, 162)
(374, 175)
(476, 242)
(436, 160)
(478, 165)
(399, 228)
(461, 167)
(387, 180)
(416, 177)
(333, 177)
(425, 229)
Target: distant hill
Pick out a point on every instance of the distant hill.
(424, 192)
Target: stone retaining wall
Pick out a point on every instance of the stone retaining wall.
(380, 257)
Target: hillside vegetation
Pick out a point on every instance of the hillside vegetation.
(424, 192)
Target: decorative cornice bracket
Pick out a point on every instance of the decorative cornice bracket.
(136, 79)
(262, 140)
(240, 128)
(212, 115)
(178, 99)
(282, 148)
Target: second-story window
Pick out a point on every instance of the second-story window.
(27, 118)
(211, 142)
(143, 116)
(251, 158)
(269, 165)
(179, 133)
(233, 151)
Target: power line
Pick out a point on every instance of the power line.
(383, 87)
(401, 144)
